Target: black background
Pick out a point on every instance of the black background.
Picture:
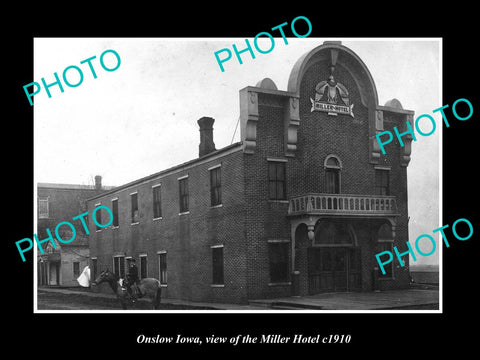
(372, 334)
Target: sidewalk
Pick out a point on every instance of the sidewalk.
(409, 299)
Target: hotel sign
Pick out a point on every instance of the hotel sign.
(331, 109)
(332, 97)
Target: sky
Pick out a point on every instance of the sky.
(142, 117)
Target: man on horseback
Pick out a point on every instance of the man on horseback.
(132, 279)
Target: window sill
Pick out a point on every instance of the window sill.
(287, 283)
(184, 213)
(278, 201)
(135, 223)
(159, 218)
(216, 206)
(115, 227)
(217, 285)
(163, 285)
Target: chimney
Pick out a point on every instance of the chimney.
(206, 136)
(98, 182)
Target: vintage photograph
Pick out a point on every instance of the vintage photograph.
(170, 178)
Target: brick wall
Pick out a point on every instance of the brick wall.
(319, 135)
(186, 238)
(64, 203)
(265, 219)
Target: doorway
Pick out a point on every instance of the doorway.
(54, 273)
(333, 269)
(334, 258)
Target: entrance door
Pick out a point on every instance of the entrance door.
(333, 269)
(54, 273)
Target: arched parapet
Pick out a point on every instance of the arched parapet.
(335, 55)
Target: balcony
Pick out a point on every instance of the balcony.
(343, 204)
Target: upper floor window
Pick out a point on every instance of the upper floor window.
(43, 208)
(332, 166)
(157, 202)
(276, 180)
(183, 194)
(134, 207)
(98, 218)
(216, 186)
(115, 212)
(382, 182)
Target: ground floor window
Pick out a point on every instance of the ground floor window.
(217, 265)
(162, 267)
(143, 266)
(119, 266)
(385, 243)
(93, 270)
(76, 269)
(278, 261)
(388, 268)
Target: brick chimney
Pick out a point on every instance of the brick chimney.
(206, 136)
(98, 182)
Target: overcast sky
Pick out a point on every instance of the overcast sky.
(142, 118)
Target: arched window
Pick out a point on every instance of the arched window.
(329, 232)
(332, 165)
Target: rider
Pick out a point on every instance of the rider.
(132, 276)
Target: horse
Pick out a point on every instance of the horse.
(148, 287)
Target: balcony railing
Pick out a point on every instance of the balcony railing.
(342, 204)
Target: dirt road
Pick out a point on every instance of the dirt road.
(60, 301)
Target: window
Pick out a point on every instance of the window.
(388, 268)
(94, 269)
(215, 186)
(333, 181)
(332, 232)
(332, 174)
(183, 191)
(217, 265)
(276, 180)
(134, 207)
(98, 218)
(382, 182)
(278, 257)
(157, 202)
(385, 243)
(76, 269)
(162, 267)
(115, 212)
(143, 266)
(119, 266)
(43, 208)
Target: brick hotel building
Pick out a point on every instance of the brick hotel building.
(299, 206)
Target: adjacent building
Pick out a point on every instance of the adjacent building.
(299, 206)
(56, 203)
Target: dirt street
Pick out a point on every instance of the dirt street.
(59, 301)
